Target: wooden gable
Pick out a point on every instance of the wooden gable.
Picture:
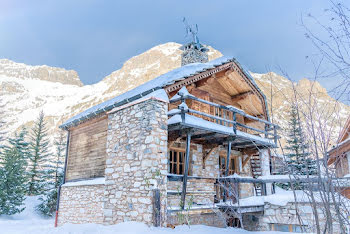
(225, 85)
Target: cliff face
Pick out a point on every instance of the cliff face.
(26, 90)
(54, 74)
(314, 102)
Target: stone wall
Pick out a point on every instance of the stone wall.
(200, 191)
(274, 214)
(208, 217)
(203, 191)
(136, 161)
(81, 204)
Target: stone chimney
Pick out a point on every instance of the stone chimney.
(193, 53)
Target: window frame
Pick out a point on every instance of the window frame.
(180, 164)
(233, 167)
(291, 227)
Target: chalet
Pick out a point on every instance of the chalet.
(339, 157)
(156, 154)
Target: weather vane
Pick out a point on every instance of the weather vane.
(192, 29)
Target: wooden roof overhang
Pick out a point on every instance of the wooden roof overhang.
(345, 131)
(338, 152)
(217, 73)
(343, 145)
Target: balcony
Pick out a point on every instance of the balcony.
(214, 123)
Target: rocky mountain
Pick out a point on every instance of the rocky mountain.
(314, 102)
(54, 74)
(26, 90)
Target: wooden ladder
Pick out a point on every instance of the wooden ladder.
(255, 166)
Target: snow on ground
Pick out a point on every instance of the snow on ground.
(29, 222)
(282, 197)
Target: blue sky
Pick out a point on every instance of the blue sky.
(97, 37)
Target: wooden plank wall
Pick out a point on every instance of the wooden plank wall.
(87, 150)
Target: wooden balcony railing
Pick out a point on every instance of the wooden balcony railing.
(224, 115)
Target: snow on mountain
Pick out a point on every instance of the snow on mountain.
(54, 74)
(26, 90)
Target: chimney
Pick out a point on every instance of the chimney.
(193, 53)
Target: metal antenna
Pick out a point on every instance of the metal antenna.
(194, 32)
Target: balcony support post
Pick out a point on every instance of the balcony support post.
(229, 145)
(187, 160)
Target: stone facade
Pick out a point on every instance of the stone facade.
(274, 214)
(136, 161)
(200, 191)
(210, 217)
(81, 204)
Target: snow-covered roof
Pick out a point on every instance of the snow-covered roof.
(159, 82)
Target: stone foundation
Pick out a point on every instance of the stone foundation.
(204, 217)
(81, 204)
(274, 214)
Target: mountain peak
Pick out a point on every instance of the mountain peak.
(148, 65)
(10, 68)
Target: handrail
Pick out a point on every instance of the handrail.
(305, 179)
(233, 109)
(228, 121)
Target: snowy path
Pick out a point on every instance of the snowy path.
(29, 222)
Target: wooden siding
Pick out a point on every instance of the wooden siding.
(87, 150)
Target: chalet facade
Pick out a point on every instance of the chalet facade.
(339, 157)
(157, 152)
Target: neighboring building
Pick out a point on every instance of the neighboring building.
(278, 165)
(158, 150)
(339, 157)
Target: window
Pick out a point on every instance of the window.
(286, 227)
(232, 170)
(177, 161)
(222, 165)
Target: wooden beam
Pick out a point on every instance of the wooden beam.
(206, 81)
(184, 182)
(241, 96)
(204, 135)
(249, 151)
(207, 154)
(246, 160)
(243, 144)
(176, 141)
(156, 207)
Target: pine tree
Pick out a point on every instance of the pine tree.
(39, 157)
(2, 133)
(12, 175)
(2, 124)
(298, 157)
(49, 199)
